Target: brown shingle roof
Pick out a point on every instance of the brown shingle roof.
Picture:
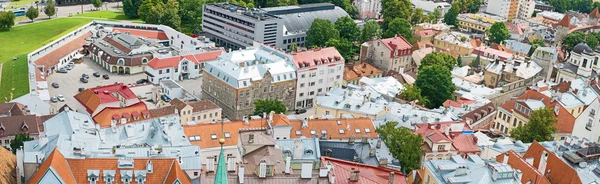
(595, 13)
(53, 57)
(203, 105)
(12, 108)
(14, 125)
(359, 70)
(163, 111)
(566, 21)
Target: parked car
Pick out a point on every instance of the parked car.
(62, 70)
(142, 81)
(84, 80)
(54, 99)
(86, 76)
(72, 63)
(68, 67)
(165, 98)
(81, 89)
(55, 85)
(105, 76)
(96, 74)
(300, 111)
(61, 98)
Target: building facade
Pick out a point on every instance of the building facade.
(356, 71)
(582, 62)
(368, 8)
(239, 78)
(319, 70)
(389, 54)
(477, 22)
(445, 42)
(203, 111)
(180, 67)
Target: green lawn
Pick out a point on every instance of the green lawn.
(22, 2)
(105, 14)
(21, 40)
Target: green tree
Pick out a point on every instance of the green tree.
(145, 10)
(436, 85)
(190, 12)
(450, 16)
(370, 30)
(435, 15)
(573, 39)
(474, 7)
(294, 47)
(560, 5)
(540, 127)
(50, 9)
(170, 16)
(412, 93)
(97, 3)
(32, 13)
(347, 28)
(475, 63)
(128, 9)
(398, 26)
(417, 16)
(498, 32)
(268, 105)
(535, 43)
(393, 9)
(17, 142)
(592, 41)
(459, 61)
(7, 20)
(404, 145)
(343, 46)
(319, 32)
(438, 58)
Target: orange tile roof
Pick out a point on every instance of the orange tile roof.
(566, 173)
(427, 33)
(309, 57)
(175, 173)
(104, 117)
(145, 33)
(58, 163)
(357, 71)
(162, 168)
(457, 103)
(206, 130)
(332, 128)
(173, 62)
(52, 58)
(463, 143)
(595, 13)
(566, 21)
(517, 162)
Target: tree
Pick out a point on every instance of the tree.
(412, 93)
(343, 46)
(535, 43)
(50, 9)
(398, 26)
(347, 28)
(128, 9)
(294, 47)
(370, 30)
(7, 20)
(32, 13)
(97, 3)
(170, 16)
(592, 41)
(573, 39)
(436, 85)
(417, 16)
(17, 142)
(438, 58)
(474, 8)
(498, 32)
(404, 145)
(319, 32)
(540, 127)
(450, 16)
(459, 61)
(145, 10)
(435, 15)
(190, 12)
(268, 105)
(395, 9)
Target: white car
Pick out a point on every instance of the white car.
(61, 98)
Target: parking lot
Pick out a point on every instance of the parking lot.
(69, 82)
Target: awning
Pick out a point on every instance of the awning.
(149, 74)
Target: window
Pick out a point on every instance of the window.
(312, 93)
(193, 118)
(301, 94)
(588, 126)
(341, 131)
(301, 85)
(227, 135)
(312, 132)
(311, 84)
(357, 130)
(441, 147)
(367, 130)
(168, 70)
(319, 90)
(592, 113)
(303, 75)
(320, 81)
(159, 71)
(213, 136)
(313, 74)
(321, 72)
(515, 122)
(205, 116)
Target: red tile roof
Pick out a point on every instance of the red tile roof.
(311, 57)
(173, 62)
(59, 165)
(530, 173)
(458, 103)
(105, 117)
(398, 43)
(91, 98)
(595, 13)
(359, 70)
(368, 174)
(332, 128)
(463, 143)
(566, 21)
(427, 33)
(145, 33)
(52, 58)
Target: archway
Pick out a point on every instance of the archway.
(121, 70)
(127, 70)
(113, 69)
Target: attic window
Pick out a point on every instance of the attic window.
(213, 136)
(227, 135)
(342, 131)
(357, 130)
(323, 132)
(367, 130)
(298, 132)
(195, 138)
(312, 132)
(339, 122)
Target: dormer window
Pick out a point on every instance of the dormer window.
(357, 130)
(308, 151)
(92, 176)
(213, 136)
(140, 176)
(108, 176)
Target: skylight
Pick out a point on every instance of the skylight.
(342, 131)
(367, 130)
(213, 136)
(227, 135)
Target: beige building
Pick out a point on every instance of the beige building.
(388, 54)
(203, 111)
(453, 42)
(353, 72)
(477, 22)
(235, 80)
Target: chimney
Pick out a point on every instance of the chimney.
(288, 164)
(543, 162)
(262, 169)
(461, 171)
(391, 179)
(305, 122)
(447, 131)
(323, 171)
(332, 179)
(365, 139)
(372, 152)
(378, 143)
(306, 171)
(383, 162)
(354, 175)
(528, 62)
(245, 120)
(241, 172)
(271, 114)
(351, 140)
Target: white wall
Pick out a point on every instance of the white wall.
(322, 81)
(586, 116)
(498, 7)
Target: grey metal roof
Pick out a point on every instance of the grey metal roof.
(477, 171)
(300, 22)
(288, 145)
(358, 152)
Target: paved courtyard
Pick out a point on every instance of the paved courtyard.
(69, 82)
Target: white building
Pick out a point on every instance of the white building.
(368, 8)
(525, 10)
(430, 6)
(318, 71)
(182, 67)
(171, 89)
(511, 9)
(582, 62)
(587, 125)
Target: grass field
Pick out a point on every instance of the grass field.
(19, 42)
(105, 14)
(22, 2)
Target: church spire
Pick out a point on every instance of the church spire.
(221, 174)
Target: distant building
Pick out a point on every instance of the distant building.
(452, 42)
(356, 71)
(368, 9)
(499, 73)
(234, 26)
(203, 111)
(582, 62)
(430, 6)
(236, 79)
(388, 54)
(180, 67)
(478, 22)
(111, 105)
(472, 169)
(446, 139)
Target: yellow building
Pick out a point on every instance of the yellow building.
(477, 22)
(451, 42)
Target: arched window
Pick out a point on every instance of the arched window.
(308, 151)
(121, 62)
(144, 61)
